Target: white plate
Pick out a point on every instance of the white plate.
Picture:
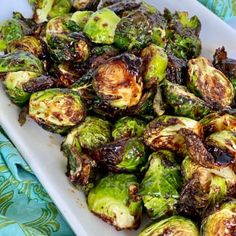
(41, 149)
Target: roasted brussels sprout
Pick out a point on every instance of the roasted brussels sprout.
(176, 70)
(154, 63)
(209, 83)
(128, 127)
(160, 186)
(125, 155)
(215, 122)
(225, 64)
(92, 133)
(221, 221)
(118, 83)
(82, 5)
(81, 169)
(135, 31)
(72, 47)
(20, 61)
(222, 146)
(163, 132)
(101, 26)
(60, 7)
(81, 18)
(113, 200)
(28, 44)
(174, 225)
(13, 85)
(183, 102)
(57, 110)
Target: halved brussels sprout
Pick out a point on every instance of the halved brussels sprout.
(222, 146)
(81, 169)
(204, 187)
(13, 84)
(118, 83)
(126, 155)
(20, 61)
(81, 18)
(135, 30)
(175, 225)
(154, 63)
(113, 200)
(209, 83)
(163, 132)
(28, 44)
(101, 26)
(183, 102)
(72, 47)
(92, 133)
(82, 5)
(221, 221)
(176, 70)
(128, 127)
(57, 110)
(215, 122)
(160, 186)
(60, 7)
(42, 9)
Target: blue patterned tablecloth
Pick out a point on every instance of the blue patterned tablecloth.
(25, 207)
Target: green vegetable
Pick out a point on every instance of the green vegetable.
(57, 110)
(60, 7)
(176, 225)
(128, 127)
(13, 85)
(113, 201)
(101, 26)
(162, 132)
(125, 155)
(155, 64)
(42, 9)
(183, 102)
(81, 18)
(82, 5)
(209, 83)
(20, 61)
(161, 184)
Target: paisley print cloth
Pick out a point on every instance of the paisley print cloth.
(25, 207)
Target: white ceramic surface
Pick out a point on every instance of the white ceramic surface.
(41, 149)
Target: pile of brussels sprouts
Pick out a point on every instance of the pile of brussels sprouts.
(149, 124)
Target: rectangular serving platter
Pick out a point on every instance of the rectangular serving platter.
(41, 149)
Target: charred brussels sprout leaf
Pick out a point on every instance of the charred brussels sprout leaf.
(57, 109)
(209, 83)
(20, 61)
(72, 47)
(183, 102)
(118, 83)
(126, 155)
(42, 9)
(174, 225)
(160, 186)
(92, 133)
(81, 169)
(222, 145)
(14, 86)
(221, 221)
(128, 127)
(214, 122)
(101, 26)
(82, 5)
(163, 132)
(60, 7)
(28, 44)
(154, 63)
(81, 18)
(113, 201)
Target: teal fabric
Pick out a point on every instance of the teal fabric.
(226, 9)
(25, 207)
